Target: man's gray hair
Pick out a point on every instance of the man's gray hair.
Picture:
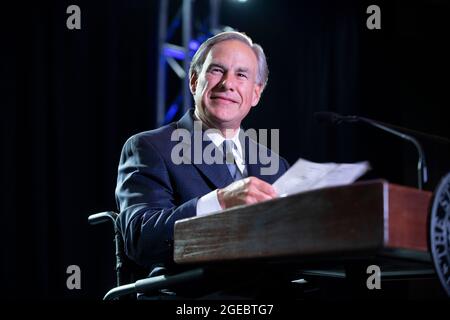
(200, 56)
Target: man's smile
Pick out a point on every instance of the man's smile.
(223, 99)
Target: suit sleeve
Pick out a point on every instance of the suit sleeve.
(146, 202)
(286, 165)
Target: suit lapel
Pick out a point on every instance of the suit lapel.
(253, 159)
(217, 174)
(251, 153)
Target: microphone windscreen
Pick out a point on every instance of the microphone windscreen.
(328, 117)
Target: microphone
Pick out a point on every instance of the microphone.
(422, 173)
(333, 118)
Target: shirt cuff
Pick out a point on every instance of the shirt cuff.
(208, 204)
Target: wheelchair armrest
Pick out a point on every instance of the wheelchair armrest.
(155, 283)
(102, 217)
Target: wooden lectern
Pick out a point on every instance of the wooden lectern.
(329, 237)
(364, 218)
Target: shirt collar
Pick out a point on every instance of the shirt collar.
(217, 138)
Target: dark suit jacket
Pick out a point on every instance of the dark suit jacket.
(152, 192)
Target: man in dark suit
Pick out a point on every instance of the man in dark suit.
(167, 174)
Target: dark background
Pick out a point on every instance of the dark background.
(70, 99)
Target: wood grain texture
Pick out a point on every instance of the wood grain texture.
(362, 217)
(407, 224)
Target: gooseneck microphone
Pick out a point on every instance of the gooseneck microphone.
(334, 118)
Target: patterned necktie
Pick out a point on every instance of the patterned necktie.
(228, 146)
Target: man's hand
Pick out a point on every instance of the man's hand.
(246, 191)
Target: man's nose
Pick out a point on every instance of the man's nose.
(227, 81)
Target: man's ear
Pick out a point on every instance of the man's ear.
(193, 83)
(256, 94)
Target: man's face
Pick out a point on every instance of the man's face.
(226, 88)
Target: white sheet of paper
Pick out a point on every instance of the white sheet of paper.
(305, 175)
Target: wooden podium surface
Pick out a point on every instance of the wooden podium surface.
(370, 217)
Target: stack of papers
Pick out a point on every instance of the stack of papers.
(305, 175)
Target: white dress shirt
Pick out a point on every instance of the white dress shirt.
(209, 203)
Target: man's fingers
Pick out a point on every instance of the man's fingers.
(263, 186)
(250, 190)
(258, 194)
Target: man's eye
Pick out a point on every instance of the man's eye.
(242, 75)
(216, 70)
